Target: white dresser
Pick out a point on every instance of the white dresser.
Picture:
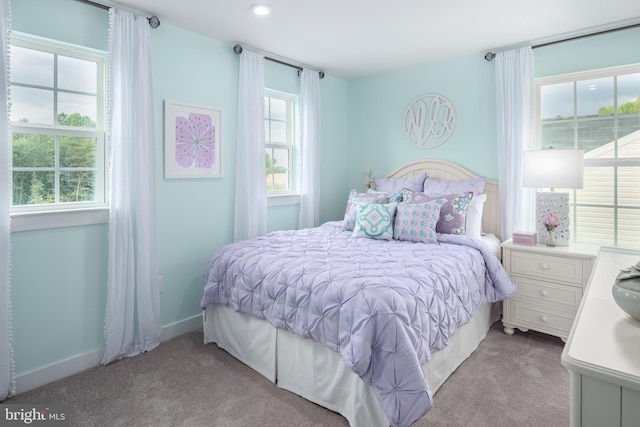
(602, 353)
(549, 285)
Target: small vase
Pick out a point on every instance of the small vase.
(551, 240)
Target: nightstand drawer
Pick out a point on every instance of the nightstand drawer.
(543, 319)
(548, 267)
(547, 292)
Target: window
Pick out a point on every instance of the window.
(280, 147)
(598, 112)
(57, 123)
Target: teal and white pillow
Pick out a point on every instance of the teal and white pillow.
(374, 220)
(416, 222)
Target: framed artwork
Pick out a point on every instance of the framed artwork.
(192, 141)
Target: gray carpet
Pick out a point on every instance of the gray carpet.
(508, 381)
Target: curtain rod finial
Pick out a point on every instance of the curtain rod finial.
(154, 22)
(237, 49)
(489, 56)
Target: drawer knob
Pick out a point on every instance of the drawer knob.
(544, 319)
(544, 293)
(544, 266)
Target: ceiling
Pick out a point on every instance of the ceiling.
(351, 39)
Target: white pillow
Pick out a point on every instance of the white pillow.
(474, 216)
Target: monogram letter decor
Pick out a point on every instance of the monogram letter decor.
(429, 121)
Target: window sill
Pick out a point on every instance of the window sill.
(28, 221)
(283, 200)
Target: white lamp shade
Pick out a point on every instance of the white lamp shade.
(553, 168)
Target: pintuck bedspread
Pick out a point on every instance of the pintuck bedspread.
(385, 306)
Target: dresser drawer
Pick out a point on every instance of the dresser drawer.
(541, 318)
(568, 270)
(541, 292)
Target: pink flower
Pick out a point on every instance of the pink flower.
(551, 221)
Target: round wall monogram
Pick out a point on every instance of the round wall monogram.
(429, 121)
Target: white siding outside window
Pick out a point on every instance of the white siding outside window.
(598, 112)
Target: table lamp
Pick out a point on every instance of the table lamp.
(553, 169)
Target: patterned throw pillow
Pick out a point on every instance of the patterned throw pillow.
(374, 220)
(350, 213)
(397, 196)
(416, 222)
(453, 213)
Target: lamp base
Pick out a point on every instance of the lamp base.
(558, 204)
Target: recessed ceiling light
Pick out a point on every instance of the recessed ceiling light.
(261, 9)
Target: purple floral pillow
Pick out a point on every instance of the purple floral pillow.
(416, 222)
(453, 215)
(350, 213)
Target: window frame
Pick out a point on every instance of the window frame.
(53, 215)
(292, 194)
(615, 162)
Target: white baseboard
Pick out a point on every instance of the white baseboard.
(77, 364)
(181, 327)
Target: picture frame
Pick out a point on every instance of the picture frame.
(192, 140)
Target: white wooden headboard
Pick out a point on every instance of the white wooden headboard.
(440, 169)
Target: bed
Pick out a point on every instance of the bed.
(367, 327)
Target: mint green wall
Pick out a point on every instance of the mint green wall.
(59, 275)
(58, 294)
(590, 53)
(377, 106)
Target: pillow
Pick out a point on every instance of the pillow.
(474, 216)
(391, 185)
(397, 196)
(438, 186)
(416, 222)
(374, 220)
(452, 214)
(350, 213)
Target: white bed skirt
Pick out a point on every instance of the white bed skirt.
(316, 372)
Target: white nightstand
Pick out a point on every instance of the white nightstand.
(549, 285)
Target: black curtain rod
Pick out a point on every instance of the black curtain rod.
(237, 49)
(154, 22)
(490, 55)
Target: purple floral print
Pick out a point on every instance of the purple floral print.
(195, 141)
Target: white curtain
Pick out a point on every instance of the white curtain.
(250, 218)
(514, 87)
(310, 143)
(132, 323)
(7, 380)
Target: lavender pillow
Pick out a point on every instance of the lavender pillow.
(439, 186)
(391, 185)
(453, 213)
(416, 222)
(350, 213)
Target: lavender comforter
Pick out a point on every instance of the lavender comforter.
(385, 306)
